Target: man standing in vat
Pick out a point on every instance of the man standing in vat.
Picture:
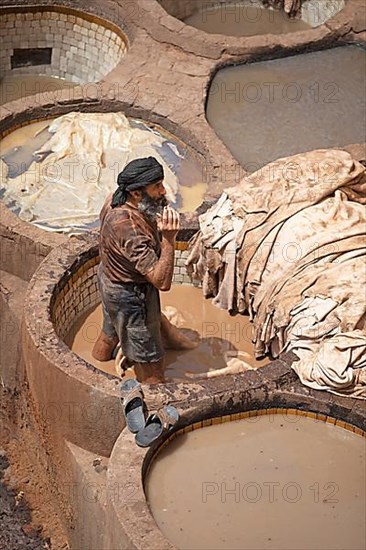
(137, 248)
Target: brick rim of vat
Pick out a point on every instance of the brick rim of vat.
(64, 264)
(59, 272)
(250, 413)
(127, 456)
(219, 3)
(81, 255)
(76, 293)
(200, 40)
(74, 67)
(66, 10)
(48, 280)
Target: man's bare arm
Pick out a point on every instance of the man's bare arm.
(161, 274)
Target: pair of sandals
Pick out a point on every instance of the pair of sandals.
(147, 430)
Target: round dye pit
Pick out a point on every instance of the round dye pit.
(243, 19)
(264, 482)
(58, 42)
(251, 17)
(222, 337)
(57, 174)
(272, 109)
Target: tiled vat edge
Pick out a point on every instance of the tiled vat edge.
(112, 14)
(84, 47)
(62, 289)
(260, 412)
(50, 364)
(241, 399)
(79, 293)
(343, 26)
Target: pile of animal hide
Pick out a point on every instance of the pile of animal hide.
(288, 246)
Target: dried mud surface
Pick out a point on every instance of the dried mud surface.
(16, 530)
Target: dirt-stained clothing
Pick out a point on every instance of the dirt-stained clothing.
(129, 248)
(129, 244)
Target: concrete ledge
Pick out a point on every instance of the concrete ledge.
(88, 495)
(166, 27)
(133, 523)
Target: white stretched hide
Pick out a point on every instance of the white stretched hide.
(88, 150)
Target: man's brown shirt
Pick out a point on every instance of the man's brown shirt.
(129, 243)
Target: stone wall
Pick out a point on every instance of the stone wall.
(180, 275)
(78, 294)
(84, 49)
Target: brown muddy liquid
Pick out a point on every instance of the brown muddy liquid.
(273, 109)
(241, 20)
(21, 136)
(268, 482)
(16, 87)
(217, 330)
(17, 148)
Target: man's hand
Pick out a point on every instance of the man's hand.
(162, 273)
(168, 223)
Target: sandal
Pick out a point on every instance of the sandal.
(133, 405)
(156, 425)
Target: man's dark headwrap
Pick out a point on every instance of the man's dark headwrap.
(136, 174)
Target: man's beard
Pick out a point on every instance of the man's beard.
(151, 207)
